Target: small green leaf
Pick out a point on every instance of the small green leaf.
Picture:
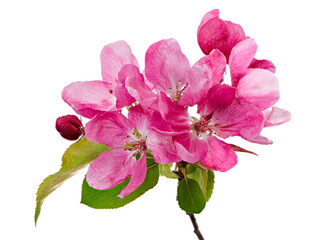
(190, 196)
(190, 168)
(210, 185)
(108, 199)
(164, 170)
(76, 157)
(205, 178)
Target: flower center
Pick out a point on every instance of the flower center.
(202, 126)
(137, 144)
(177, 92)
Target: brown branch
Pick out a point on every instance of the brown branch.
(196, 226)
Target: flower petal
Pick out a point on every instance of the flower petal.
(160, 125)
(162, 148)
(220, 94)
(238, 119)
(240, 58)
(138, 174)
(195, 89)
(213, 66)
(113, 57)
(236, 35)
(190, 148)
(263, 64)
(259, 87)
(276, 117)
(212, 33)
(208, 16)
(139, 117)
(260, 140)
(123, 97)
(89, 98)
(137, 88)
(220, 156)
(109, 169)
(111, 129)
(166, 66)
(173, 113)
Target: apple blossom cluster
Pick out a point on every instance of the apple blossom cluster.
(128, 151)
(158, 99)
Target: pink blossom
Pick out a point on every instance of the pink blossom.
(90, 98)
(214, 33)
(192, 137)
(128, 137)
(258, 86)
(169, 71)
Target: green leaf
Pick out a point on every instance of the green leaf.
(164, 170)
(205, 178)
(108, 199)
(76, 157)
(190, 196)
(210, 185)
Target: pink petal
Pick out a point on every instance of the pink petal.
(89, 98)
(196, 87)
(236, 35)
(208, 16)
(220, 156)
(260, 140)
(111, 129)
(149, 84)
(166, 66)
(190, 148)
(263, 64)
(139, 117)
(109, 169)
(276, 117)
(162, 148)
(213, 66)
(240, 58)
(173, 113)
(138, 89)
(238, 119)
(259, 87)
(138, 174)
(162, 126)
(212, 34)
(113, 57)
(220, 94)
(123, 97)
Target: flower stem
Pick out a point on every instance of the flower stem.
(180, 170)
(196, 226)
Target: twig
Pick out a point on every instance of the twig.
(196, 226)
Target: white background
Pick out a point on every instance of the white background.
(45, 45)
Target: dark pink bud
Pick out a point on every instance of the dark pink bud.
(70, 127)
(215, 33)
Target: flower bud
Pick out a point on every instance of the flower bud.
(215, 33)
(70, 127)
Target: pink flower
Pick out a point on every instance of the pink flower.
(169, 71)
(254, 80)
(128, 137)
(193, 138)
(92, 97)
(214, 33)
